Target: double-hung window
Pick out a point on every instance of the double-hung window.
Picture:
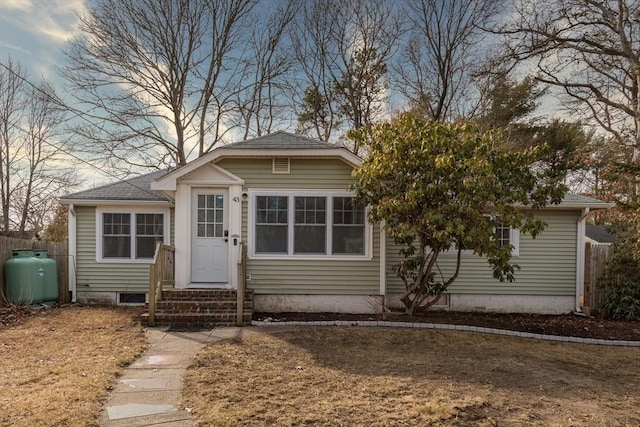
(129, 235)
(272, 224)
(504, 236)
(308, 225)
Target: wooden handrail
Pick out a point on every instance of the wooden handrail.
(242, 278)
(161, 273)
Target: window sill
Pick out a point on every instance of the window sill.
(311, 257)
(125, 261)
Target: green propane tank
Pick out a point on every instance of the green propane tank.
(49, 274)
(25, 284)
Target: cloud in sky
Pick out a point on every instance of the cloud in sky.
(32, 32)
(16, 4)
(54, 19)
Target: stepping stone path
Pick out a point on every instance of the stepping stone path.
(150, 388)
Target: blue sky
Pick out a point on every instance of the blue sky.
(33, 33)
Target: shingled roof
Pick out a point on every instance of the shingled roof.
(281, 141)
(599, 233)
(570, 198)
(135, 189)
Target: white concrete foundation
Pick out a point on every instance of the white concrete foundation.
(502, 303)
(98, 298)
(356, 304)
(103, 298)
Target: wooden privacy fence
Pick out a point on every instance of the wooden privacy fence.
(595, 257)
(56, 251)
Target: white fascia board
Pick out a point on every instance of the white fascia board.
(103, 202)
(170, 182)
(336, 153)
(592, 206)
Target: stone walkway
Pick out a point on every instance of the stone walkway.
(148, 392)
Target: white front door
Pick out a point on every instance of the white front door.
(210, 236)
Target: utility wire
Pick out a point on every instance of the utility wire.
(79, 114)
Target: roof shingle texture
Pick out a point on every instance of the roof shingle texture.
(599, 233)
(281, 140)
(138, 188)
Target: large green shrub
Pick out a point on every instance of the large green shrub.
(621, 277)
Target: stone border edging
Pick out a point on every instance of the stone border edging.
(439, 326)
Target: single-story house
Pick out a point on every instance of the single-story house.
(599, 234)
(309, 246)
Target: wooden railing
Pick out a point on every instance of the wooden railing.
(161, 273)
(242, 283)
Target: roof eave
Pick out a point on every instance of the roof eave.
(114, 202)
(591, 206)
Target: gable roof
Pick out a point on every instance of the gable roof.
(281, 140)
(571, 200)
(599, 233)
(277, 144)
(137, 189)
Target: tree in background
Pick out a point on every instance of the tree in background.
(33, 173)
(590, 51)
(445, 49)
(510, 106)
(445, 187)
(262, 102)
(57, 229)
(158, 79)
(341, 50)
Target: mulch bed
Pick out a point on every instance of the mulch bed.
(561, 325)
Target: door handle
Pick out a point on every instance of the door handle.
(226, 235)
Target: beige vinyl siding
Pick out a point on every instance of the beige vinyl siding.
(304, 173)
(296, 276)
(548, 263)
(93, 276)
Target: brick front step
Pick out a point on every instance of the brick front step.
(200, 308)
(203, 294)
(196, 320)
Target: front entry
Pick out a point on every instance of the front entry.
(210, 236)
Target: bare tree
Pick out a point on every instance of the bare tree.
(590, 50)
(12, 105)
(158, 79)
(262, 102)
(33, 171)
(342, 48)
(445, 47)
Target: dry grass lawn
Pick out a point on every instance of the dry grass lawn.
(398, 377)
(56, 367)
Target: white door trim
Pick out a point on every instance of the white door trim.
(211, 247)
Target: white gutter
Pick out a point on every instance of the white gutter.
(383, 262)
(580, 259)
(72, 252)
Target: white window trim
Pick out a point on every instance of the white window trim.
(514, 239)
(251, 224)
(128, 210)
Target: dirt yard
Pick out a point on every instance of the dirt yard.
(57, 365)
(354, 376)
